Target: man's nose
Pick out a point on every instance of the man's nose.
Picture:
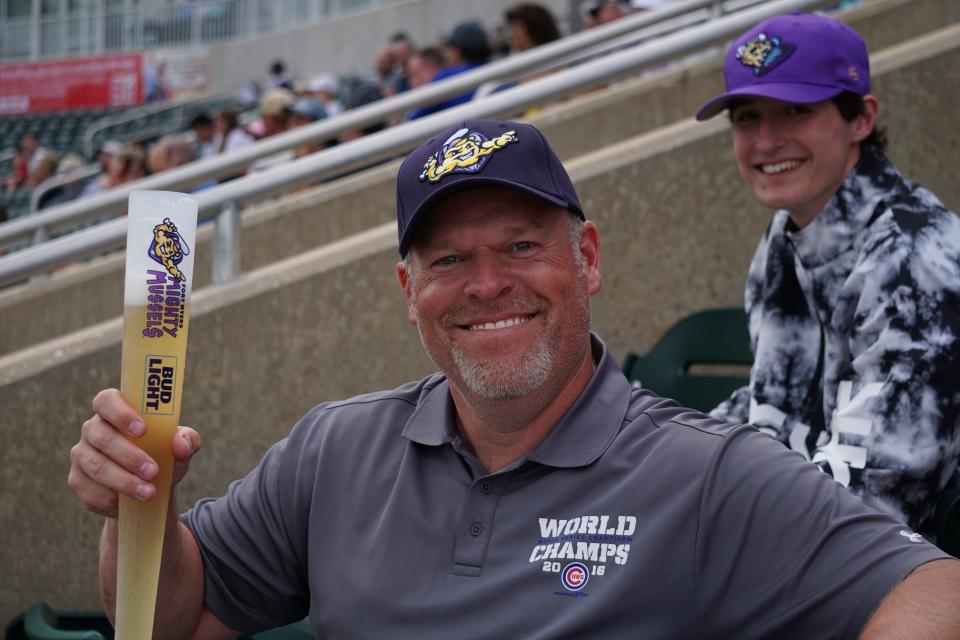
(490, 277)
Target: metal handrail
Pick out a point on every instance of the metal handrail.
(228, 196)
(181, 178)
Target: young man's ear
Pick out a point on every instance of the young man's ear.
(406, 285)
(864, 124)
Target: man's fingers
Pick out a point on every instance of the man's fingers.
(109, 404)
(103, 438)
(186, 442)
(92, 465)
(94, 497)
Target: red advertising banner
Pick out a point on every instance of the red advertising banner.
(83, 83)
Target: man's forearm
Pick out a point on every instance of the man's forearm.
(180, 591)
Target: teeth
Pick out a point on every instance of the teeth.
(500, 324)
(779, 167)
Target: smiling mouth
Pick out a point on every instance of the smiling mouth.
(499, 324)
(779, 167)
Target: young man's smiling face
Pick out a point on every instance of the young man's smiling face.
(796, 156)
(500, 293)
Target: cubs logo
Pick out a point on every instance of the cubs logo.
(763, 53)
(168, 248)
(575, 576)
(464, 152)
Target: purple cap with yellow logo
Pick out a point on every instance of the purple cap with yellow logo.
(801, 58)
(479, 153)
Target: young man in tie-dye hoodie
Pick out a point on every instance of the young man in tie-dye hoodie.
(853, 294)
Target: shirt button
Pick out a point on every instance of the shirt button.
(486, 487)
(476, 529)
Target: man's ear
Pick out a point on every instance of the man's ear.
(864, 124)
(590, 249)
(407, 287)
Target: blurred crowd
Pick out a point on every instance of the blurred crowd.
(286, 102)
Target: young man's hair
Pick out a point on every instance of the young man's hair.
(850, 105)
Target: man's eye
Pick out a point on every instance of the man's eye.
(445, 260)
(523, 245)
(797, 109)
(744, 116)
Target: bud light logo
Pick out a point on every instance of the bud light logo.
(575, 576)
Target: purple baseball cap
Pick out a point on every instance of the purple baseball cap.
(479, 153)
(800, 58)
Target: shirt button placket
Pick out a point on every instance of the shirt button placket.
(476, 528)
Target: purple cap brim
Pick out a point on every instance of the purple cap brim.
(793, 92)
(476, 181)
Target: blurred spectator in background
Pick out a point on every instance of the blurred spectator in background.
(18, 177)
(32, 151)
(303, 112)
(70, 169)
(274, 118)
(424, 65)
(205, 134)
(129, 165)
(279, 78)
(229, 134)
(170, 152)
(43, 170)
(384, 73)
(155, 85)
(401, 49)
(530, 26)
(361, 94)
(275, 111)
(598, 12)
(110, 150)
(325, 87)
(467, 47)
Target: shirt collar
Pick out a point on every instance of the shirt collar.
(580, 437)
(846, 215)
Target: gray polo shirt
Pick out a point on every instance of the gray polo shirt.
(635, 518)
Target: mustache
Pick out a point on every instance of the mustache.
(471, 313)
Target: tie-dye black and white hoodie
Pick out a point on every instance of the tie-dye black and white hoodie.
(854, 322)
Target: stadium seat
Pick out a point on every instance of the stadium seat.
(947, 520)
(711, 337)
(43, 623)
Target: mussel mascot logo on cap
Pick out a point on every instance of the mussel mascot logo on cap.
(464, 152)
(763, 53)
(168, 248)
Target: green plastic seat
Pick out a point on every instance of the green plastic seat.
(711, 337)
(43, 623)
(947, 520)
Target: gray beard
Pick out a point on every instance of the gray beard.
(498, 380)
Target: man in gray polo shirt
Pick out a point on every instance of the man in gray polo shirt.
(526, 490)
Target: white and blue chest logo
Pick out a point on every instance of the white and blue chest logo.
(764, 53)
(464, 152)
(582, 548)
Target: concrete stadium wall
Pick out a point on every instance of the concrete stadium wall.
(677, 228)
(93, 293)
(348, 45)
